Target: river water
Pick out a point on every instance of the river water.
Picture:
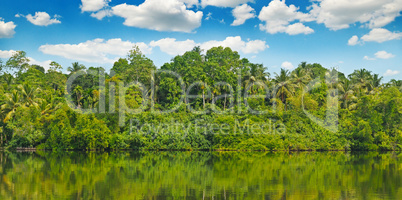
(200, 175)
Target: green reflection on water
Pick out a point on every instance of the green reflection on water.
(200, 175)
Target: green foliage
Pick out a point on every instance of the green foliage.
(34, 113)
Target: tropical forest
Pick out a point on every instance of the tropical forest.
(210, 99)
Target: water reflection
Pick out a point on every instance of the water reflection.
(200, 175)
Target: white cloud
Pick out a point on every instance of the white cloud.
(7, 29)
(339, 14)
(190, 3)
(224, 3)
(42, 19)
(353, 40)
(278, 16)
(384, 55)
(368, 58)
(101, 14)
(7, 53)
(237, 44)
(94, 51)
(242, 13)
(391, 72)
(381, 35)
(93, 5)
(44, 64)
(160, 15)
(173, 47)
(380, 55)
(287, 65)
(298, 28)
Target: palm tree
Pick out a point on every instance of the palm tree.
(284, 86)
(78, 91)
(48, 105)
(375, 82)
(8, 79)
(346, 93)
(257, 73)
(29, 94)
(75, 67)
(300, 76)
(11, 103)
(361, 79)
(395, 83)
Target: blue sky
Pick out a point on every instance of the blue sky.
(348, 34)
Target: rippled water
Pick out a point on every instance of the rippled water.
(201, 175)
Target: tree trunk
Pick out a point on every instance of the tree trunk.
(224, 104)
(203, 99)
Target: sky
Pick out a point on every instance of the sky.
(346, 34)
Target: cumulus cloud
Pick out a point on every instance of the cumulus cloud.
(42, 19)
(381, 35)
(237, 44)
(173, 47)
(242, 13)
(384, 55)
(277, 17)
(380, 55)
(94, 51)
(391, 72)
(101, 14)
(7, 29)
(339, 14)
(368, 58)
(224, 3)
(190, 3)
(287, 65)
(353, 40)
(7, 53)
(93, 5)
(159, 15)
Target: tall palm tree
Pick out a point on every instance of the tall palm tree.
(361, 79)
(78, 91)
(48, 105)
(300, 76)
(346, 93)
(75, 67)
(257, 73)
(284, 86)
(11, 103)
(376, 81)
(29, 94)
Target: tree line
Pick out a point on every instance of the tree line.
(224, 88)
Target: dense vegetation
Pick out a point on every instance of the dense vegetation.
(40, 109)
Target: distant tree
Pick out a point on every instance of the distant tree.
(75, 67)
(17, 62)
(54, 66)
(284, 86)
(39, 68)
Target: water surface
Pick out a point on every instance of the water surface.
(200, 175)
